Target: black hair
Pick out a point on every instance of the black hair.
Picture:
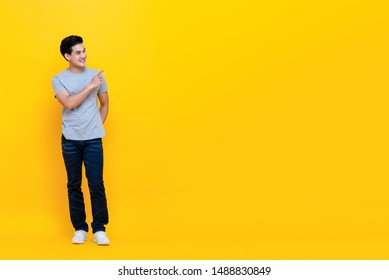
(68, 43)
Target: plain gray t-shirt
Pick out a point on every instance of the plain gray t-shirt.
(83, 122)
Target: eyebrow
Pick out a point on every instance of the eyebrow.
(80, 51)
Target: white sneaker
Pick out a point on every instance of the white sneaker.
(100, 238)
(79, 237)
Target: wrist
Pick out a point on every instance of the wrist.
(90, 87)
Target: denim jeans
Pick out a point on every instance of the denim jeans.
(89, 152)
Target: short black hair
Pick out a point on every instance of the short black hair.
(68, 43)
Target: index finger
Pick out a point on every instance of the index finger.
(101, 72)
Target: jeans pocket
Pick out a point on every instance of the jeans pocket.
(68, 146)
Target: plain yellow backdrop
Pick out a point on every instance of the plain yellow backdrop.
(237, 129)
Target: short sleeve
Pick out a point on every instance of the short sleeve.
(57, 86)
(103, 87)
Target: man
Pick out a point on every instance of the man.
(77, 88)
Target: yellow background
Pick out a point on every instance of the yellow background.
(237, 129)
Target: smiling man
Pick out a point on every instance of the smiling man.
(78, 89)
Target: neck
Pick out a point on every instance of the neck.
(76, 69)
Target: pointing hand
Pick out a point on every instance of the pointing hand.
(97, 80)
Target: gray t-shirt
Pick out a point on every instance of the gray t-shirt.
(83, 122)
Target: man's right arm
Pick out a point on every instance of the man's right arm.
(70, 102)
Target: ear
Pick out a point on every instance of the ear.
(67, 56)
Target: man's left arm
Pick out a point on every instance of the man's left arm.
(103, 98)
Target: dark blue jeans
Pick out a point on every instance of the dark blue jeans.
(89, 152)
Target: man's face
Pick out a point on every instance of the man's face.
(78, 56)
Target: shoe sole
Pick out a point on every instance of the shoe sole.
(101, 244)
(78, 243)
